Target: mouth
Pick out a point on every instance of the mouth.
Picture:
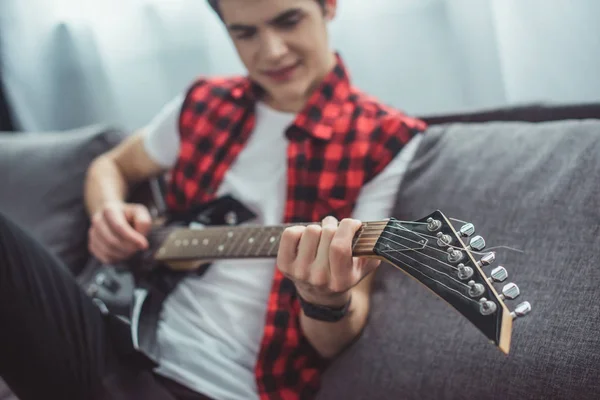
(282, 74)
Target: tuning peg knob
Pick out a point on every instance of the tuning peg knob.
(510, 291)
(522, 309)
(467, 230)
(498, 274)
(487, 259)
(477, 243)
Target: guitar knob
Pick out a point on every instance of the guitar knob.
(467, 230)
(477, 243)
(498, 274)
(487, 259)
(522, 309)
(510, 291)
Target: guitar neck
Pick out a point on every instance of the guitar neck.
(223, 242)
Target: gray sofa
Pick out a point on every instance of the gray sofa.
(530, 186)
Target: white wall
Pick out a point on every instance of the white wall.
(68, 63)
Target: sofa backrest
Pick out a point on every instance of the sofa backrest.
(533, 187)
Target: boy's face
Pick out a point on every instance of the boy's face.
(283, 44)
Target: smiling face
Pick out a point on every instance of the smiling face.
(283, 44)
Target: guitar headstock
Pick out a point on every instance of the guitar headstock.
(450, 263)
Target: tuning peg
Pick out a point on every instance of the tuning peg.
(464, 272)
(510, 291)
(487, 307)
(454, 255)
(522, 309)
(443, 240)
(433, 224)
(475, 289)
(498, 274)
(487, 259)
(467, 230)
(477, 243)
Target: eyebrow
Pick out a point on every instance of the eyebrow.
(275, 21)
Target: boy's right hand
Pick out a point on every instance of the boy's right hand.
(118, 231)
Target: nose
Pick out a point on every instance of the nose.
(273, 46)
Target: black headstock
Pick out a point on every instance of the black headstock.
(449, 262)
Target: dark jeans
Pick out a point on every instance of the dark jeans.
(54, 342)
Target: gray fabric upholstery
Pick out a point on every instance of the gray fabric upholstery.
(41, 176)
(535, 187)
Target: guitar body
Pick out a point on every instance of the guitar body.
(111, 286)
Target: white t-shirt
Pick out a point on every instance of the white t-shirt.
(211, 327)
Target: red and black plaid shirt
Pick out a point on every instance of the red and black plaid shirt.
(340, 141)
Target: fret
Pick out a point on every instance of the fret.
(274, 239)
(263, 241)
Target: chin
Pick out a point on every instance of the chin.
(289, 91)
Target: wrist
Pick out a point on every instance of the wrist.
(333, 300)
(325, 309)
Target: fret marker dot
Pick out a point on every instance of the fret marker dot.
(230, 234)
(186, 242)
(272, 239)
(205, 242)
(251, 240)
(221, 247)
(194, 242)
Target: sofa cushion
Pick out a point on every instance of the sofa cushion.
(533, 187)
(42, 175)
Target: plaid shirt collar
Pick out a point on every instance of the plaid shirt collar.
(323, 107)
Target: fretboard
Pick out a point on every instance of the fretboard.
(221, 242)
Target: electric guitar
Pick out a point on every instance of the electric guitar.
(447, 261)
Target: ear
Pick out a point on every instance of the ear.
(330, 9)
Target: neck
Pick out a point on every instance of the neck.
(211, 243)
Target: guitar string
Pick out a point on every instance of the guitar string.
(219, 232)
(422, 245)
(417, 250)
(425, 265)
(368, 230)
(433, 279)
(400, 253)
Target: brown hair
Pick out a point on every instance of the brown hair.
(215, 5)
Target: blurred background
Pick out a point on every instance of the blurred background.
(69, 63)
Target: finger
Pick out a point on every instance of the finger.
(140, 217)
(340, 255)
(320, 277)
(105, 234)
(102, 252)
(121, 227)
(309, 243)
(288, 248)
